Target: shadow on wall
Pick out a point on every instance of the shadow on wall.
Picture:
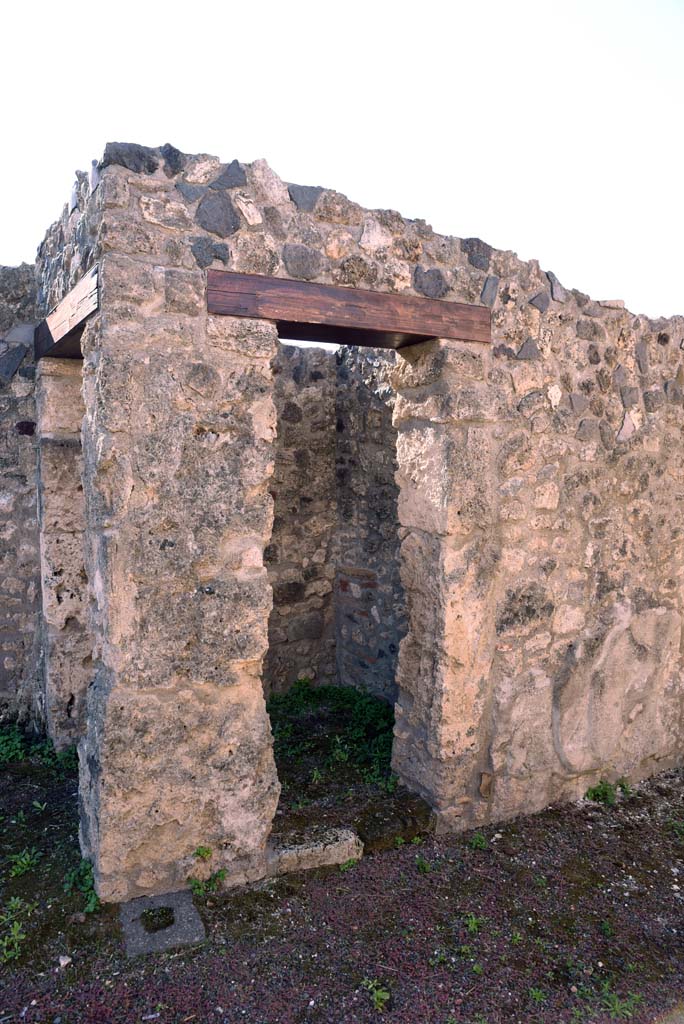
(333, 560)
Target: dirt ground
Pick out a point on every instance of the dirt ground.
(575, 914)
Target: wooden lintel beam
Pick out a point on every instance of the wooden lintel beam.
(347, 315)
(60, 333)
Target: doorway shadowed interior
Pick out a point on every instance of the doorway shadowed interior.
(333, 562)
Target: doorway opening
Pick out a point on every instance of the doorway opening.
(338, 603)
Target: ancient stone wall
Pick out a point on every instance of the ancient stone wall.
(66, 644)
(540, 483)
(335, 523)
(370, 617)
(27, 293)
(19, 563)
(300, 555)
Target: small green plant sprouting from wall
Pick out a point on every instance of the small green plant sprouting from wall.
(603, 792)
(202, 852)
(210, 885)
(617, 1007)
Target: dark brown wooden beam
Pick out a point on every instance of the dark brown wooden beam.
(354, 316)
(60, 333)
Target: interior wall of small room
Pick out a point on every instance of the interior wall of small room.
(333, 559)
(369, 603)
(299, 557)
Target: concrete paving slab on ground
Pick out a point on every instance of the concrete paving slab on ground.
(186, 929)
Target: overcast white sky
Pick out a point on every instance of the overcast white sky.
(555, 129)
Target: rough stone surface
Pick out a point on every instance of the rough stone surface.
(541, 301)
(20, 686)
(17, 296)
(67, 668)
(231, 176)
(489, 290)
(178, 451)
(541, 549)
(333, 558)
(478, 252)
(324, 848)
(10, 361)
(217, 214)
(431, 283)
(369, 604)
(301, 261)
(131, 156)
(299, 556)
(304, 197)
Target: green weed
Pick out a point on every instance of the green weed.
(478, 842)
(12, 745)
(24, 861)
(424, 866)
(80, 879)
(202, 852)
(209, 885)
(347, 865)
(440, 956)
(618, 1008)
(13, 918)
(380, 996)
(364, 729)
(603, 792)
(677, 827)
(473, 923)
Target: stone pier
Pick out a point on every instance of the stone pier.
(178, 439)
(445, 414)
